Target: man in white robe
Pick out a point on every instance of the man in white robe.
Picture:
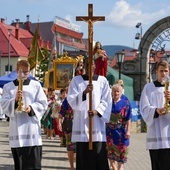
(78, 98)
(24, 127)
(158, 122)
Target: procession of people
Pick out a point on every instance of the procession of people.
(34, 111)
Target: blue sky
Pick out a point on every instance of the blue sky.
(121, 16)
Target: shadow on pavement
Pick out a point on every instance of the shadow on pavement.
(6, 167)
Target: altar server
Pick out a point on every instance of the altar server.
(157, 120)
(78, 98)
(24, 127)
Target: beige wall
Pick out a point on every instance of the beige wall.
(4, 62)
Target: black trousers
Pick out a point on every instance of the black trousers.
(95, 159)
(160, 159)
(27, 158)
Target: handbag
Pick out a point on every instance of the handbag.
(67, 125)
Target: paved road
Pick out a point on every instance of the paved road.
(55, 157)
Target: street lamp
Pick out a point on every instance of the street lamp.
(9, 47)
(138, 36)
(120, 58)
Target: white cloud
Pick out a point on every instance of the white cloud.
(127, 15)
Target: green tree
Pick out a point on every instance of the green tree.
(42, 65)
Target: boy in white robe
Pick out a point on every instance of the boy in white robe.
(24, 127)
(78, 98)
(158, 122)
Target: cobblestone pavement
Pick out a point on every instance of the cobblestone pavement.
(55, 157)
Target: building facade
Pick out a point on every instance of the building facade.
(16, 39)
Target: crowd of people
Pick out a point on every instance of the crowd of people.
(111, 115)
(32, 108)
(66, 114)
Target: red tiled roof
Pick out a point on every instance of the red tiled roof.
(27, 42)
(132, 55)
(17, 47)
(128, 56)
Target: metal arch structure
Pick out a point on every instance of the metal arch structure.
(152, 39)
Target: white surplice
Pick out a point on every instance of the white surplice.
(101, 101)
(158, 129)
(24, 130)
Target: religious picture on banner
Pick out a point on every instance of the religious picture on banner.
(64, 74)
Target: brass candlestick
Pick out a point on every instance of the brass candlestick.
(165, 82)
(21, 78)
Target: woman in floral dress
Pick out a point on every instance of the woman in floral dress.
(118, 129)
(47, 118)
(66, 114)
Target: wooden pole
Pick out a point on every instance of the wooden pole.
(90, 19)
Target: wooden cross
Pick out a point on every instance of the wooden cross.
(90, 19)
